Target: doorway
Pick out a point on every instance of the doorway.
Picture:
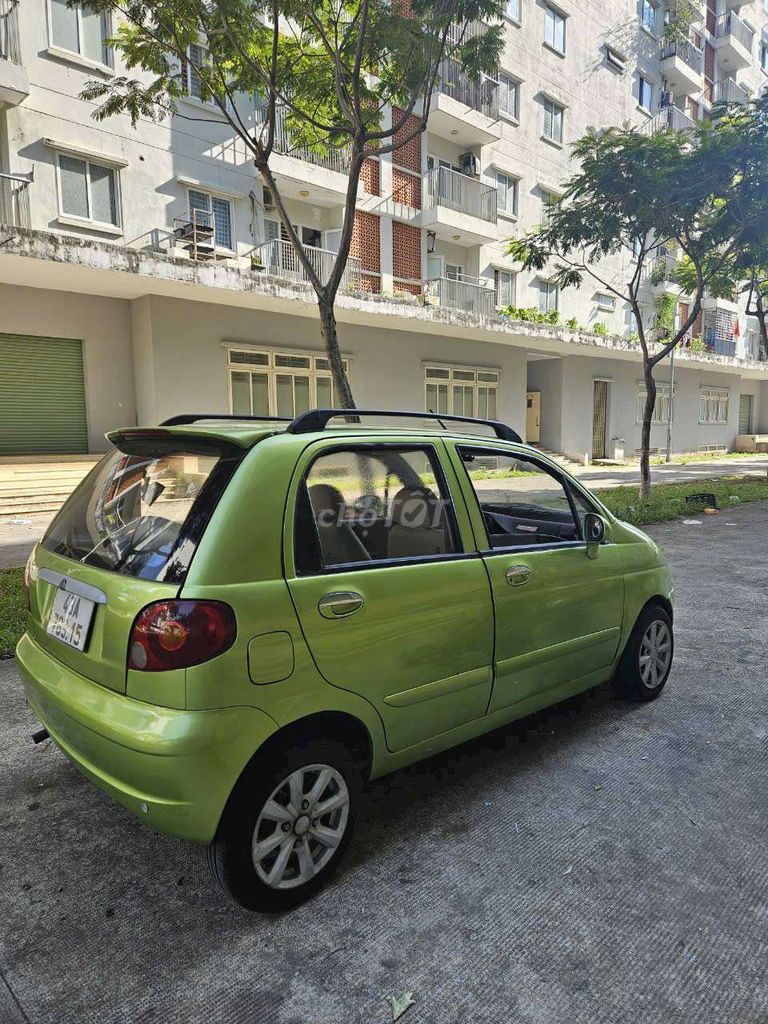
(599, 417)
(533, 417)
(745, 413)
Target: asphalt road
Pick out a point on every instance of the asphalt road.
(600, 863)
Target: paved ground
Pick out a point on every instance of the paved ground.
(18, 535)
(597, 864)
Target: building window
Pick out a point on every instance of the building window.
(512, 10)
(713, 405)
(644, 93)
(454, 271)
(88, 191)
(664, 403)
(606, 301)
(506, 193)
(554, 29)
(461, 391)
(649, 16)
(219, 211)
(553, 121)
(549, 297)
(197, 57)
(764, 56)
(509, 96)
(614, 60)
(279, 383)
(504, 284)
(81, 31)
(548, 203)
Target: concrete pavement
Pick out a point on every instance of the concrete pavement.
(599, 863)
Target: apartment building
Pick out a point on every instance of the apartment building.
(144, 272)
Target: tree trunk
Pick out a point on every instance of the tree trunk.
(762, 319)
(330, 335)
(645, 433)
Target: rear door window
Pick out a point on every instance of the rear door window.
(142, 515)
(368, 505)
(523, 503)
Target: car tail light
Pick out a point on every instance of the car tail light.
(177, 634)
(28, 580)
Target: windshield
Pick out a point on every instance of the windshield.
(141, 515)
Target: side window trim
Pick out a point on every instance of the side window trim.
(444, 494)
(564, 483)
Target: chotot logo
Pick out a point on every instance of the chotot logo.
(414, 513)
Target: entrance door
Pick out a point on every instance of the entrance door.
(745, 413)
(533, 417)
(599, 418)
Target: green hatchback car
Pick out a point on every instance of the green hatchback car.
(234, 623)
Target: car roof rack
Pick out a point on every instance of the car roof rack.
(317, 419)
(194, 417)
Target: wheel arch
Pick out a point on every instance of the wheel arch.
(661, 602)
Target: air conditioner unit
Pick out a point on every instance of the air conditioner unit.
(468, 164)
(269, 200)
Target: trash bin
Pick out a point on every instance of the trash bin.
(618, 449)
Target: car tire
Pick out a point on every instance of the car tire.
(647, 659)
(270, 852)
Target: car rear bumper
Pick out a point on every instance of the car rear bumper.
(174, 769)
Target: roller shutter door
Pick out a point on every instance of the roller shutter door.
(42, 396)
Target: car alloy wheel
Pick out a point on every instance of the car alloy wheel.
(655, 654)
(300, 826)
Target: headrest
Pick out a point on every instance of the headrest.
(416, 507)
(326, 498)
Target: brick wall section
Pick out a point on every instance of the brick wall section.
(369, 178)
(406, 188)
(407, 155)
(370, 283)
(366, 241)
(413, 287)
(406, 251)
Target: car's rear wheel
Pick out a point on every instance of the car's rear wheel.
(286, 825)
(647, 659)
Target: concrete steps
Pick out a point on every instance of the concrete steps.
(40, 483)
(558, 457)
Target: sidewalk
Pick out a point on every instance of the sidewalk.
(18, 536)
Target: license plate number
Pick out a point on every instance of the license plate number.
(70, 619)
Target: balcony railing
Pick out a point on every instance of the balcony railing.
(721, 346)
(718, 331)
(730, 24)
(280, 258)
(469, 294)
(669, 118)
(14, 200)
(686, 51)
(661, 269)
(456, 191)
(10, 48)
(481, 95)
(729, 91)
(332, 159)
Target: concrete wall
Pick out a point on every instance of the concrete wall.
(104, 327)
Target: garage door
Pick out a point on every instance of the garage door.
(42, 396)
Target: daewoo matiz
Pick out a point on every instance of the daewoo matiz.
(233, 624)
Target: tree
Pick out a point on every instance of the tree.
(337, 75)
(704, 193)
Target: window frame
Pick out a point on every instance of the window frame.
(211, 195)
(450, 381)
(89, 221)
(511, 82)
(644, 84)
(516, 19)
(663, 391)
(511, 184)
(567, 485)
(614, 60)
(554, 16)
(712, 396)
(107, 28)
(444, 492)
(498, 272)
(605, 301)
(272, 370)
(652, 30)
(555, 108)
(549, 285)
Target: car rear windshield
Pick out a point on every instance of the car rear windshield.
(142, 515)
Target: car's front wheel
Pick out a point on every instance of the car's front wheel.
(647, 659)
(286, 825)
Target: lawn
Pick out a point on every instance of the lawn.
(11, 609)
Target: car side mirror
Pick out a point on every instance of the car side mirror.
(594, 533)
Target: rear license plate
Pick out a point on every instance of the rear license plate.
(70, 619)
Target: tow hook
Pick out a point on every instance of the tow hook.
(40, 736)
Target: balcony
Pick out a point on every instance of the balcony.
(14, 200)
(660, 272)
(682, 64)
(718, 327)
(669, 118)
(14, 80)
(470, 294)
(734, 41)
(464, 111)
(729, 91)
(333, 160)
(279, 257)
(458, 208)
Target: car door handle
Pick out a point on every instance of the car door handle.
(339, 603)
(517, 575)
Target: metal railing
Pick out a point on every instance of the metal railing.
(730, 24)
(456, 191)
(660, 269)
(686, 51)
(481, 95)
(729, 91)
(332, 159)
(468, 293)
(721, 346)
(14, 200)
(10, 47)
(668, 118)
(280, 258)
